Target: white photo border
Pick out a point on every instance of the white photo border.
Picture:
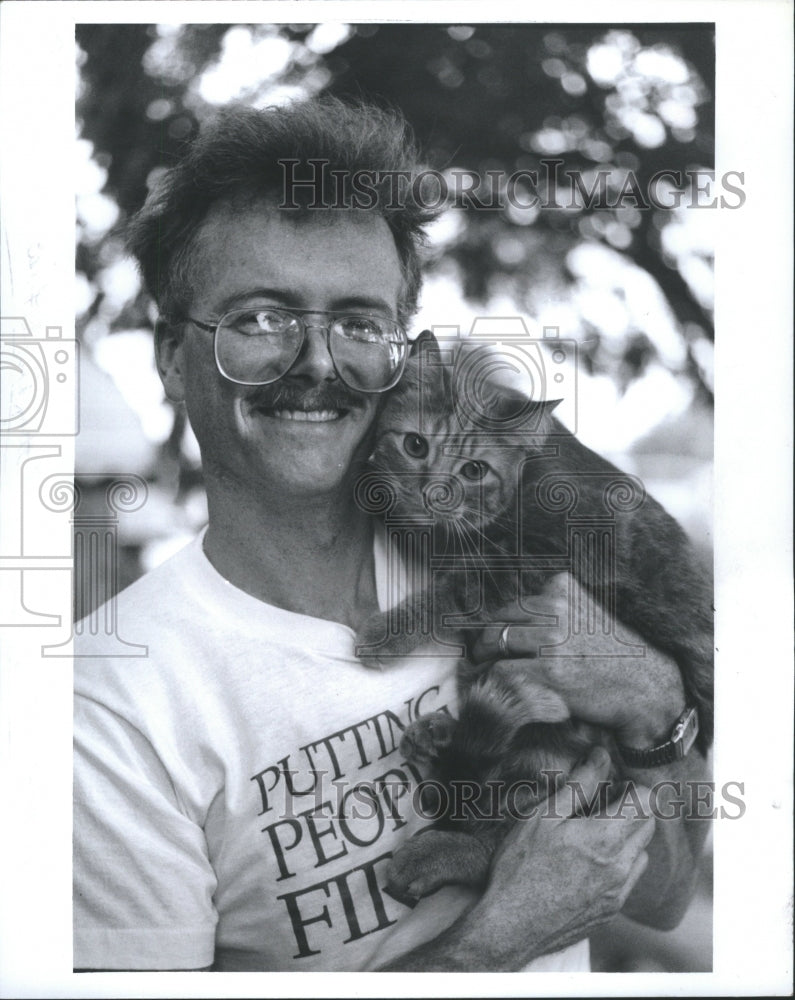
(753, 510)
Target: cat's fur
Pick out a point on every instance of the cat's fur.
(510, 728)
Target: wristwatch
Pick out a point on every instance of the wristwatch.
(676, 746)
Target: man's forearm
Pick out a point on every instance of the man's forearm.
(457, 949)
(483, 939)
(664, 891)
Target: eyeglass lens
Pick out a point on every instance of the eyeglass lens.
(260, 346)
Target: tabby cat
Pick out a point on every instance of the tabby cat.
(501, 482)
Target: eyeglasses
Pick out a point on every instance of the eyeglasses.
(260, 344)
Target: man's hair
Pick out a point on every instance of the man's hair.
(237, 155)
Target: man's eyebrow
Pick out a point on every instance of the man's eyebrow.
(363, 302)
(289, 299)
(250, 295)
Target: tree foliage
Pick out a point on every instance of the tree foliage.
(626, 100)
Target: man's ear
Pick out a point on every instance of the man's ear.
(169, 359)
(426, 337)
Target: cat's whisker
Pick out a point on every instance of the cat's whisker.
(476, 558)
(461, 546)
(476, 532)
(468, 548)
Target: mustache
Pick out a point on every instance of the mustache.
(287, 396)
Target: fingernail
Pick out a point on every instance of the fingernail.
(599, 756)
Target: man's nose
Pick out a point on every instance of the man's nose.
(314, 362)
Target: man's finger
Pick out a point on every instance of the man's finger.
(587, 784)
(639, 833)
(630, 800)
(639, 866)
(506, 642)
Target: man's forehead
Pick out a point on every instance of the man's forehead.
(266, 214)
(247, 238)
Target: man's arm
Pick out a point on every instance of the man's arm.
(554, 879)
(663, 894)
(143, 884)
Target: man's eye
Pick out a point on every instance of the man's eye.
(259, 321)
(474, 471)
(272, 322)
(360, 328)
(415, 445)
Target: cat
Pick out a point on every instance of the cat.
(496, 473)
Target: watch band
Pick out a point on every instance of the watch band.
(675, 747)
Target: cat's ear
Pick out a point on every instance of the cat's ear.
(508, 399)
(427, 338)
(509, 404)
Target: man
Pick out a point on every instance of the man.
(238, 793)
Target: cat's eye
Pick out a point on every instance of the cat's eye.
(415, 445)
(474, 471)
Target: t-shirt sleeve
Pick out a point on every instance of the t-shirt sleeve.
(143, 883)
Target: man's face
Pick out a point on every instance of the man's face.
(306, 443)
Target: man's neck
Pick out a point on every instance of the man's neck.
(312, 556)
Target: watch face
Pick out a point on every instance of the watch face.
(689, 729)
(24, 387)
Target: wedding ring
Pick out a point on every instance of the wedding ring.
(502, 642)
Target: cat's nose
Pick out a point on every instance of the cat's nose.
(442, 493)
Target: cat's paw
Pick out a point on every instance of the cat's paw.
(376, 643)
(427, 737)
(534, 701)
(387, 636)
(434, 858)
(371, 638)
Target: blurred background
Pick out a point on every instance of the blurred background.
(632, 284)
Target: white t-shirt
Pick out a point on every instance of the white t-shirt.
(239, 791)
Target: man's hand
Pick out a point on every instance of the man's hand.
(555, 878)
(638, 697)
(574, 873)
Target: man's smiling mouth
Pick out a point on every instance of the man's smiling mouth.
(321, 404)
(311, 416)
